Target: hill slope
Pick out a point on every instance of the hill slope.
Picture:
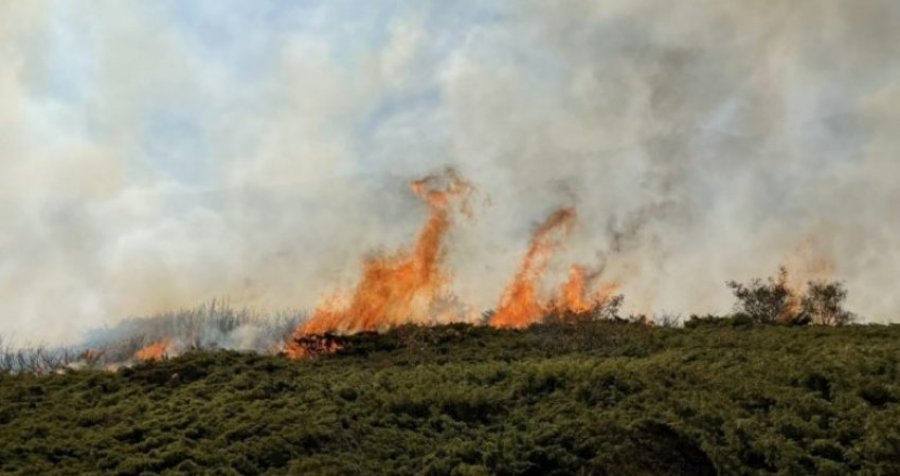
(597, 398)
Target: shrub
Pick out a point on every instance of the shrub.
(766, 302)
(823, 302)
(775, 301)
(607, 309)
(606, 397)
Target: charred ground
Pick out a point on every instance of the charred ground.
(717, 396)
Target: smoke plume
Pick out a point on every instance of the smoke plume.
(157, 155)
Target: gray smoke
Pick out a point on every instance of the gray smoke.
(155, 155)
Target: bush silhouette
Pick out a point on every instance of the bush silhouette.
(766, 302)
(775, 301)
(823, 303)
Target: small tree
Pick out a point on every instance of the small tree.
(773, 300)
(823, 303)
(486, 316)
(766, 302)
(609, 308)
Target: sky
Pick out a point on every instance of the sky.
(159, 154)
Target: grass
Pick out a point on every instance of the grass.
(592, 398)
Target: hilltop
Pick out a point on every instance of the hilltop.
(610, 397)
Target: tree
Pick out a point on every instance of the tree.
(774, 300)
(767, 302)
(823, 303)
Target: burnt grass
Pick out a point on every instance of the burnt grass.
(718, 397)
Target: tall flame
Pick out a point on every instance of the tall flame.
(521, 306)
(397, 289)
(154, 351)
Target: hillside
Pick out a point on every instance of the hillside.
(593, 398)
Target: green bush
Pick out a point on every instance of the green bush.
(768, 301)
(774, 301)
(722, 395)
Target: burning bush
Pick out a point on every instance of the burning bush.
(767, 301)
(824, 304)
(607, 309)
(310, 346)
(776, 301)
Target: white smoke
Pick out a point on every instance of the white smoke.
(157, 155)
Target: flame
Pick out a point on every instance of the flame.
(404, 287)
(806, 263)
(520, 305)
(574, 296)
(313, 345)
(573, 291)
(154, 351)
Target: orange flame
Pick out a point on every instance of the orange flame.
(805, 264)
(154, 351)
(573, 292)
(311, 346)
(574, 296)
(520, 305)
(401, 288)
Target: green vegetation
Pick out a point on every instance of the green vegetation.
(722, 396)
(774, 301)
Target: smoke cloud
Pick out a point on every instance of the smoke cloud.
(157, 155)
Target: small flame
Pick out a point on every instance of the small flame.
(574, 296)
(805, 264)
(154, 351)
(573, 292)
(311, 346)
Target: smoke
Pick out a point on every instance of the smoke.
(157, 156)
(701, 143)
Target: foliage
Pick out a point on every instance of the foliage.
(607, 309)
(774, 301)
(766, 301)
(824, 304)
(596, 397)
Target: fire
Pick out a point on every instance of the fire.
(312, 345)
(573, 292)
(411, 286)
(521, 305)
(805, 264)
(404, 287)
(154, 351)
(794, 292)
(574, 296)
